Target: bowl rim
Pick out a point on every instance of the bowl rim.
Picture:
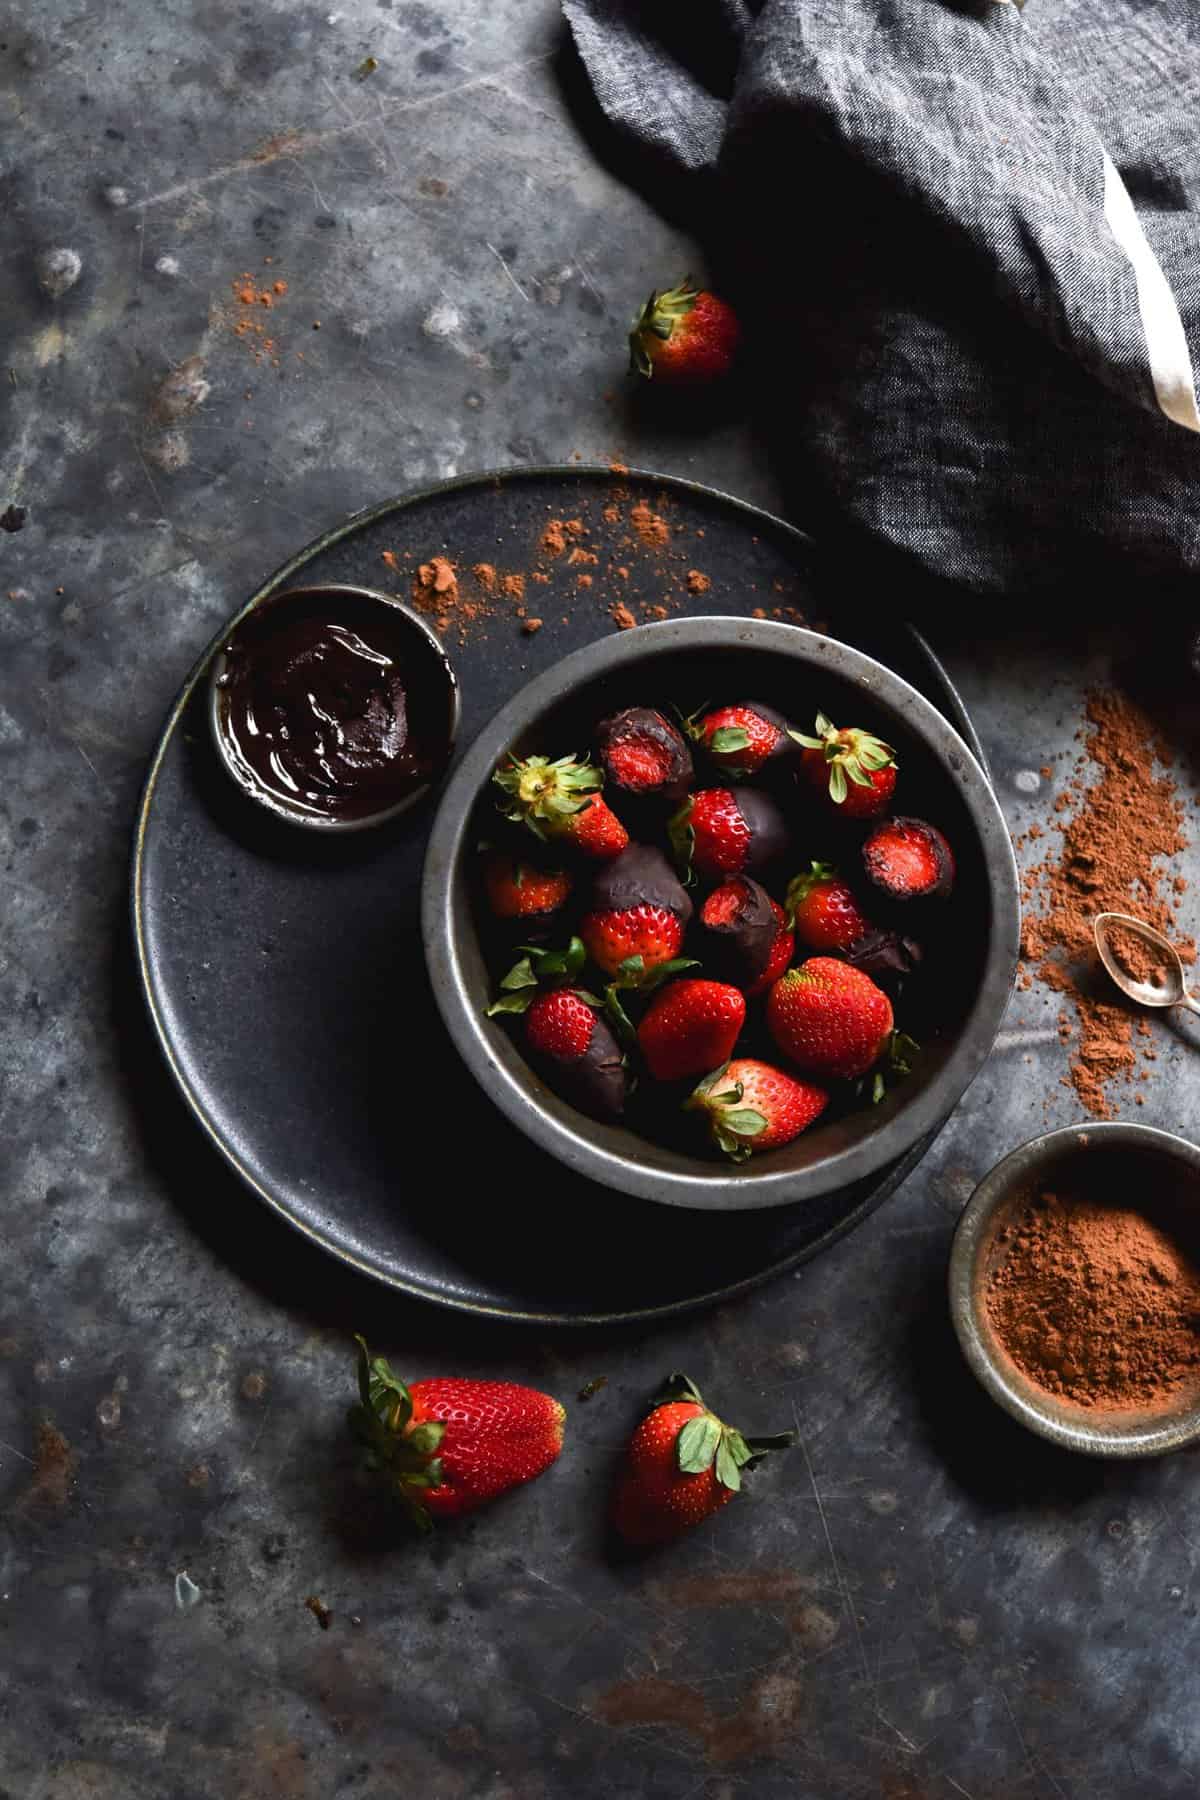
(254, 790)
(1014, 1392)
(750, 1188)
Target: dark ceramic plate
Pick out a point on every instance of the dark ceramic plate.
(284, 974)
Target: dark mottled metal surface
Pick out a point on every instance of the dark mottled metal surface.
(919, 1602)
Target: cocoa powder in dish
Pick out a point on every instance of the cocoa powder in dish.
(1098, 1303)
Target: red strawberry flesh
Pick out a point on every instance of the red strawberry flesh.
(909, 859)
(644, 755)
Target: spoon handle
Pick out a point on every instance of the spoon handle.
(1191, 1002)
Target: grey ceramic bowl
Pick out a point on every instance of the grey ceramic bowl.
(687, 661)
(1137, 1159)
(431, 666)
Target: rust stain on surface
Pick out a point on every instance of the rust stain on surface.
(770, 1711)
(53, 1468)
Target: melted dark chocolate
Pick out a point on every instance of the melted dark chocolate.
(319, 708)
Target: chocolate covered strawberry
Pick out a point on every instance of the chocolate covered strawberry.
(517, 889)
(829, 1018)
(741, 739)
(824, 912)
(560, 802)
(853, 769)
(565, 1035)
(886, 957)
(752, 1107)
(637, 915)
(690, 1026)
(782, 951)
(740, 931)
(684, 336)
(683, 1464)
(909, 859)
(446, 1446)
(644, 757)
(727, 831)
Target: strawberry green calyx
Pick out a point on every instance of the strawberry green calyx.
(734, 1125)
(801, 886)
(658, 319)
(899, 1060)
(543, 794)
(681, 836)
(706, 1442)
(537, 970)
(852, 756)
(403, 1454)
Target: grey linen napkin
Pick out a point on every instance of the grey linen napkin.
(970, 238)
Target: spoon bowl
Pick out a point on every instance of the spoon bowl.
(1170, 990)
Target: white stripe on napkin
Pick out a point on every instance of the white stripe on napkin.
(1166, 341)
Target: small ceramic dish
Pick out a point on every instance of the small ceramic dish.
(1139, 1159)
(430, 684)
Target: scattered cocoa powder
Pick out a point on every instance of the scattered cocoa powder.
(513, 587)
(485, 575)
(390, 558)
(1119, 828)
(1099, 1303)
(532, 625)
(436, 585)
(622, 617)
(697, 583)
(554, 538)
(245, 321)
(583, 581)
(650, 526)
(582, 556)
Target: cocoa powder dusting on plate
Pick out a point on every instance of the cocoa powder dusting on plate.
(1116, 830)
(650, 526)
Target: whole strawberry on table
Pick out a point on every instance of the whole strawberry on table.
(721, 918)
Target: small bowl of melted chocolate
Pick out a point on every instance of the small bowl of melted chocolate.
(334, 707)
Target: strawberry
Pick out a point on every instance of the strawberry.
(682, 1465)
(741, 738)
(752, 1107)
(727, 831)
(824, 913)
(638, 914)
(517, 889)
(690, 1026)
(908, 859)
(643, 756)
(684, 336)
(561, 801)
(855, 769)
(740, 931)
(829, 1018)
(886, 957)
(781, 953)
(446, 1446)
(569, 1042)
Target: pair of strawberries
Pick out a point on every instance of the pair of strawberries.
(446, 1446)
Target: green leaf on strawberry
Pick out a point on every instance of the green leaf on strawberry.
(729, 738)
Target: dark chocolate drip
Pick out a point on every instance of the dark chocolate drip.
(596, 1081)
(769, 834)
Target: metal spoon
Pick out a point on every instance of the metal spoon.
(1171, 991)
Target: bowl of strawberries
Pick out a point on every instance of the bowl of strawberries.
(717, 951)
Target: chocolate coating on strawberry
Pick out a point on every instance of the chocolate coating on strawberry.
(769, 835)
(640, 876)
(909, 859)
(740, 928)
(643, 756)
(885, 956)
(595, 1082)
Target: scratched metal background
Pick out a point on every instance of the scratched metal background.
(919, 1601)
